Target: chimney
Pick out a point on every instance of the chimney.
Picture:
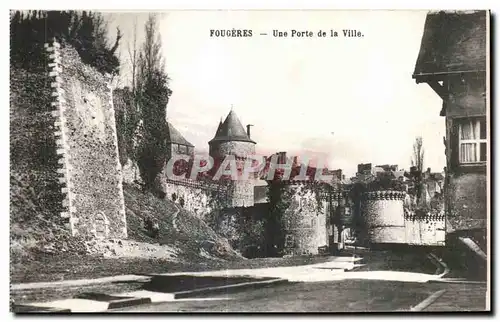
(248, 129)
(295, 160)
(428, 170)
(282, 157)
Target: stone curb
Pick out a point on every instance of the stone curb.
(115, 302)
(215, 289)
(456, 281)
(82, 282)
(428, 301)
(31, 309)
(99, 301)
(440, 265)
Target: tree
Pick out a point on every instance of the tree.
(152, 95)
(418, 154)
(279, 201)
(133, 53)
(86, 31)
(418, 163)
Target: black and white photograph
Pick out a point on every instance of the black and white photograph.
(250, 161)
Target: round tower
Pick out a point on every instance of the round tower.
(305, 220)
(384, 217)
(232, 139)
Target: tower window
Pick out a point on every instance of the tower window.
(183, 149)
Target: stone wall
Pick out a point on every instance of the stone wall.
(467, 201)
(201, 198)
(242, 191)
(305, 221)
(428, 231)
(35, 187)
(237, 148)
(87, 145)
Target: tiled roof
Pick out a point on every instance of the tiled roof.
(453, 41)
(175, 137)
(231, 130)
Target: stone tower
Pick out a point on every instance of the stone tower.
(232, 139)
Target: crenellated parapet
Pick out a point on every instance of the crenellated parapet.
(425, 218)
(59, 106)
(384, 195)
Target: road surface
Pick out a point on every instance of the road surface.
(333, 296)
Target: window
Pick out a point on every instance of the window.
(472, 140)
(182, 149)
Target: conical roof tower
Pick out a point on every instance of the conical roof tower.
(231, 130)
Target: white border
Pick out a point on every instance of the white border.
(146, 5)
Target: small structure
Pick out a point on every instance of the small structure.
(176, 143)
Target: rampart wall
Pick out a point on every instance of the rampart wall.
(87, 146)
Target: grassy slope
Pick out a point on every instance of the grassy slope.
(51, 254)
(191, 232)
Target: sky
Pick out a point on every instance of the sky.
(350, 100)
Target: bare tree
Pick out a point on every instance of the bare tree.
(150, 57)
(133, 53)
(418, 154)
(418, 162)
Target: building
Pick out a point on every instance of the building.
(176, 143)
(452, 61)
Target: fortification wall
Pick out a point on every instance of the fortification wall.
(199, 197)
(386, 222)
(305, 221)
(428, 230)
(87, 145)
(35, 188)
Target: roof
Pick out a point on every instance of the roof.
(452, 42)
(231, 130)
(175, 137)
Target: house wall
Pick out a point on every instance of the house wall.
(465, 186)
(466, 206)
(88, 147)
